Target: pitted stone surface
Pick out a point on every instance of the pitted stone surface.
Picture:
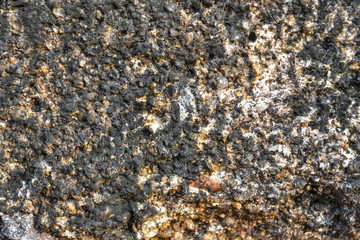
(180, 119)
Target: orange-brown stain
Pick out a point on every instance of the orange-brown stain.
(209, 184)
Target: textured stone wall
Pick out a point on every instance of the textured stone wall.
(191, 119)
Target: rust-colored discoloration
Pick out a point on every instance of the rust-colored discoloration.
(44, 69)
(210, 184)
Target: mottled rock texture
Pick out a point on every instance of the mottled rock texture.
(191, 119)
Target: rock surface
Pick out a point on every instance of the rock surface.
(21, 227)
(179, 119)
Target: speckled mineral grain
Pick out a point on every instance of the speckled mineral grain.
(191, 119)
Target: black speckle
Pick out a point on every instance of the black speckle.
(146, 131)
(38, 105)
(252, 37)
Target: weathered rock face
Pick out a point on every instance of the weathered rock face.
(21, 227)
(179, 119)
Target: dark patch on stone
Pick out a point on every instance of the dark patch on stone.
(252, 36)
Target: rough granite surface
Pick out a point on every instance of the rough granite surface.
(188, 119)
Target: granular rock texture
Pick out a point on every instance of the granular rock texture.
(191, 119)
